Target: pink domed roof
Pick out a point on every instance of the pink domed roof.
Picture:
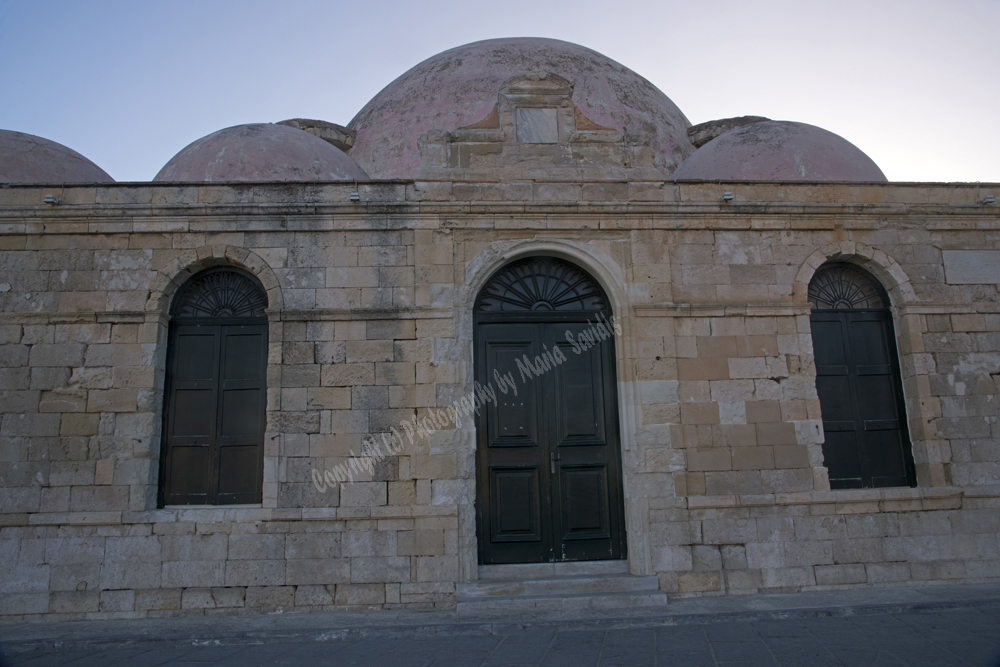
(779, 151)
(25, 158)
(460, 87)
(260, 152)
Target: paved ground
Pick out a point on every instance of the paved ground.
(762, 630)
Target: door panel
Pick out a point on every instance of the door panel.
(548, 462)
(514, 494)
(215, 414)
(860, 393)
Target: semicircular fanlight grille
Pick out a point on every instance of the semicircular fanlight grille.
(221, 293)
(541, 284)
(845, 287)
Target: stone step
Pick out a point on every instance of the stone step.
(566, 603)
(538, 570)
(557, 586)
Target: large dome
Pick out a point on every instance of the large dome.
(25, 158)
(460, 87)
(260, 152)
(779, 151)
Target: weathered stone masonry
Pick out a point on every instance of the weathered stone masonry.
(370, 324)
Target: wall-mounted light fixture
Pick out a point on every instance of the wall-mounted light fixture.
(727, 197)
(355, 196)
(51, 200)
(988, 199)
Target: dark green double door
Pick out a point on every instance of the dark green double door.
(215, 414)
(860, 394)
(548, 460)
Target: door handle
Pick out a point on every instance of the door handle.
(553, 457)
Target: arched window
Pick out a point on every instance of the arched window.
(215, 399)
(858, 381)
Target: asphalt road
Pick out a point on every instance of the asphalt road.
(939, 638)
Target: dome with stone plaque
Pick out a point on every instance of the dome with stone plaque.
(25, 158)
(260, 152)
(459, 87)
(779, 151)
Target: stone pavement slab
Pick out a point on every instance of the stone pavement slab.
(935, 625)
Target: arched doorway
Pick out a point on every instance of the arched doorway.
(548, 462)
(858, 381)
(216, 393)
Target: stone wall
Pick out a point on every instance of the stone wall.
(370, 325)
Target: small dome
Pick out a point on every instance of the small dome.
(25, 158)
(460, 87)
(260, 152)
(779, 151)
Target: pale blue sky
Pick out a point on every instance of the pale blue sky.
(128, 84)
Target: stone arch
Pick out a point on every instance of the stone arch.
(885, 269)
(184, 266)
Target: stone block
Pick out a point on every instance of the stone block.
(33, 425)
(24, 579)
(437, 568)
(706, 557)
(117, 600)
(363, 494)
(71, 473)
(702, 460)
(255, 572)
(360, 594)
(99, 498)
(788, 577)
(373, 397)
(256, 547)
(270, 596)
(131, 562)
(753, 458)
(322, 571)
(74, 602)
(402, 493)
(347, 375)
(75, 424)
(790, 456)
(734, 556)
(699, 582)
(313, 596)
(228, 598)
(158, 599)
(831, 575)
(744, 581)
(59, 354)
(104, 471)
(365, 543)
(194, 547)
(380, 570)
(702, 369)
(194, 573)
(732, 483)
(312, 545)
(700, 413)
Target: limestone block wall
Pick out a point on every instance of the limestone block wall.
(370, 326)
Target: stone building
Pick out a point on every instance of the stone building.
(251, 384)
